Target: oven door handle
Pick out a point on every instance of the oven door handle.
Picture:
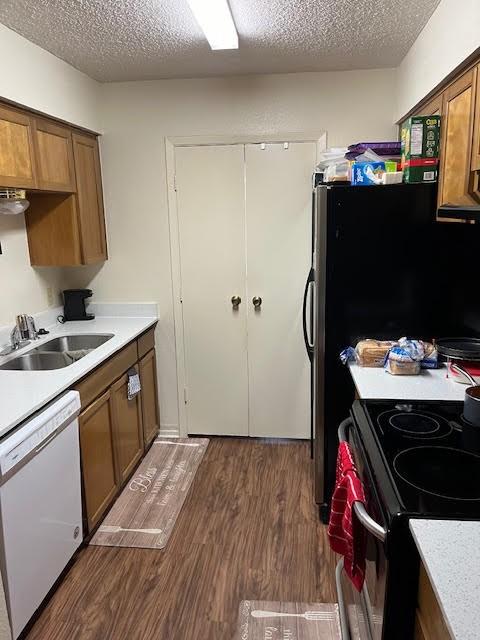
(342, 610)
(369, 523)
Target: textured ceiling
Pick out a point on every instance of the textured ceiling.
(145, 39)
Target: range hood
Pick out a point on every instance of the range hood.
(13, 201)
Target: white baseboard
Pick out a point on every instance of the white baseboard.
(169, 431)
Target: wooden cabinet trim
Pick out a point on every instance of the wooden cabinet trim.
(475, 165)
(106, 374)
(431, 108)
(15, 116)
(146, 342)
(150, 409)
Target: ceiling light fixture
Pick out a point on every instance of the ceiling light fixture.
(216, 22)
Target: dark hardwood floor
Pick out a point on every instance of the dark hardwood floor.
(248, 531)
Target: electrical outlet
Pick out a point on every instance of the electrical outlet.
(50, 297)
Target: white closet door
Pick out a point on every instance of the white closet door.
(278, 209)
(211, 213)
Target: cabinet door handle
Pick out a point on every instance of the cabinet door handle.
(236, 300)
(257, 302)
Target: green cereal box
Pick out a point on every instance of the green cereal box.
(420, 148)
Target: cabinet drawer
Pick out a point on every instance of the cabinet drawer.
(146, 342)
(103, 377)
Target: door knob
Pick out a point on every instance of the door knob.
(236, 300)
(257, 302)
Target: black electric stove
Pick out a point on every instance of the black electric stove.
(413, 463)
(430, 471)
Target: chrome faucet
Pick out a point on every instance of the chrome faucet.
(25, 328)
(22, 333)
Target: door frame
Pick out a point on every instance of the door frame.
(171, 143)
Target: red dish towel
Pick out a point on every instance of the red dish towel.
(346, 534)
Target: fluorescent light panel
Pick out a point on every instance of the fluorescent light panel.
(216, 22)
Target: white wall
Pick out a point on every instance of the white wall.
(23, 289)
(136, 118)
(449, 37)
(37, 79)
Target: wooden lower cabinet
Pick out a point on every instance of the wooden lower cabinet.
(127, 427)
(150, 413)
(98, 457)
(115, 431)
(429, 621)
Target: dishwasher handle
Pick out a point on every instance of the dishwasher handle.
(369, 523)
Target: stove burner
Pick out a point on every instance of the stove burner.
(413, 424)
(443, 472)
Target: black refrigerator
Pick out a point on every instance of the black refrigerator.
(376, 261)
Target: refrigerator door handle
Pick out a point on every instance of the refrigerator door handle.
(308, 345)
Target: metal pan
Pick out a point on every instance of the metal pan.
(466, 349)
(471, 409)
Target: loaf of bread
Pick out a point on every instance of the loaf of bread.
(403, 367)
(405, 358)
(372, 353)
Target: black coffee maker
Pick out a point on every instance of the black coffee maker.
(74, 305)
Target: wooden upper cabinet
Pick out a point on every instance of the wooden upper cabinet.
(69, 229)
(54, 157)
(475, 166)
(128, 434)
(17, 160)
(458, 111)
(91, 215)
(150, 413)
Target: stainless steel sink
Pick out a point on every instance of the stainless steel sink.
(56, 353)
(74, 343)
(37, 362)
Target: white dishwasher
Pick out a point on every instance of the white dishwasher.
(40, 505)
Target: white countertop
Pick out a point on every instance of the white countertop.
(430, 384)
(24, 392)
(449, 551)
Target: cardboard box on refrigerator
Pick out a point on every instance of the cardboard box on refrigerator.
(420, 148)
